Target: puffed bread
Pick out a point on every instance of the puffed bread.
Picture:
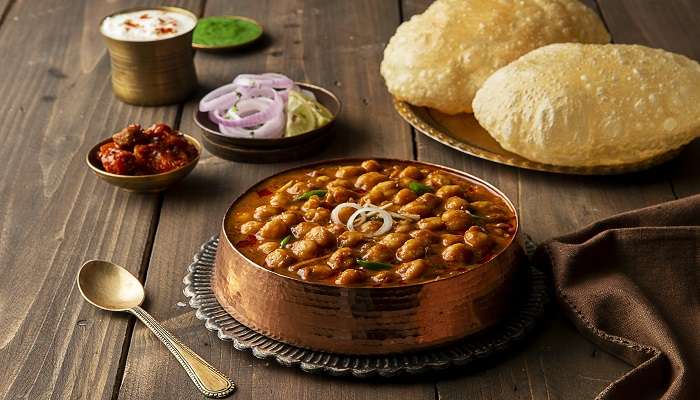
(440, 58)
(590, 105)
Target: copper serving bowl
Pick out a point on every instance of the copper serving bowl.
(367, 320)
(142, 183)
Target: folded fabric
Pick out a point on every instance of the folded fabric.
(631, 284)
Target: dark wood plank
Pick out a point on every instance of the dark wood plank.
(57, 102)
(558, 363)
(673, 26)
(337, 45)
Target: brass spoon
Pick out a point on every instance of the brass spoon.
(111, 287)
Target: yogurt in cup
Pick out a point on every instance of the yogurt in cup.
(151, 54)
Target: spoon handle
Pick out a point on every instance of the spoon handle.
(208, 379)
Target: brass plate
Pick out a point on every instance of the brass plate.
(463, 132)
(470, 351)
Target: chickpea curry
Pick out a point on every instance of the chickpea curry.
(370, 224)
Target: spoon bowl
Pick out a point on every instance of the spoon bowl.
(112, 288)
(109, 286)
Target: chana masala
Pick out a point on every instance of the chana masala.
(370, 224)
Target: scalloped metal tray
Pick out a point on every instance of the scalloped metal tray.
(493, 342)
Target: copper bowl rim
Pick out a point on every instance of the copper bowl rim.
(96, 168)
(212, 48)
(144, 8)
(275, 142)
(480, 181)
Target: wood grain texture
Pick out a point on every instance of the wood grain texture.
(338, 45)
(55, 214)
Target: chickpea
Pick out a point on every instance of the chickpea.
(437, 179)
(477, 239)
(368, 180)
(370, 226)
(385, 277)
(432, 223)
(371, 165)
(322, 180)
(423, 205)
(265, 212)
(425, 236)
(411, 250)
(404, 196)
(314, 272)
(319, 215)
(279, 258)
(457, 253)
(350, 276)
(448, 191)
(273, 229)
(456, 220)
(279, 199)
(456, 203)
(382, 191)
(349, 171)
(394, 240)
(289, 217)
(404, 226)
(350, 239)
(411, 172)
(298, 188)
(250, 227)
(448, 239)
(341, 259)
(322, 236)
(412, 270)
(340, 194)
(336, 229)
(345, 213)
(268, 247)
(379, 253)
(346, 183)
(312, 203)
(304, 249)
(300, 230)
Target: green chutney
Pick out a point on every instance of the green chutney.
(225, 31)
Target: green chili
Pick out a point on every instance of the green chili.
(419, 188)
(307, 195)
(286, 240)
(375, 266)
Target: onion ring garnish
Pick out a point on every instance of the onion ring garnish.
(363, 212)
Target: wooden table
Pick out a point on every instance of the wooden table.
(57, 102)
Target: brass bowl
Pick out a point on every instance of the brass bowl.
(142, 183)
(366, 320)
(156, 72)
(244, 149)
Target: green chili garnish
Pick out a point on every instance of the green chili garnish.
(286, 240)
(419, 188)
(307, 195)
(375, 266)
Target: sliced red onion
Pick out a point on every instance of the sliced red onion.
(264, 112)
(273, 80)
(219, 98)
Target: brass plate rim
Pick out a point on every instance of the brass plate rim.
(407, 112)
(228, 47)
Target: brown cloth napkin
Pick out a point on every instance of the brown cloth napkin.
(631, 284)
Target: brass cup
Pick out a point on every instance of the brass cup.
(153, 73)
